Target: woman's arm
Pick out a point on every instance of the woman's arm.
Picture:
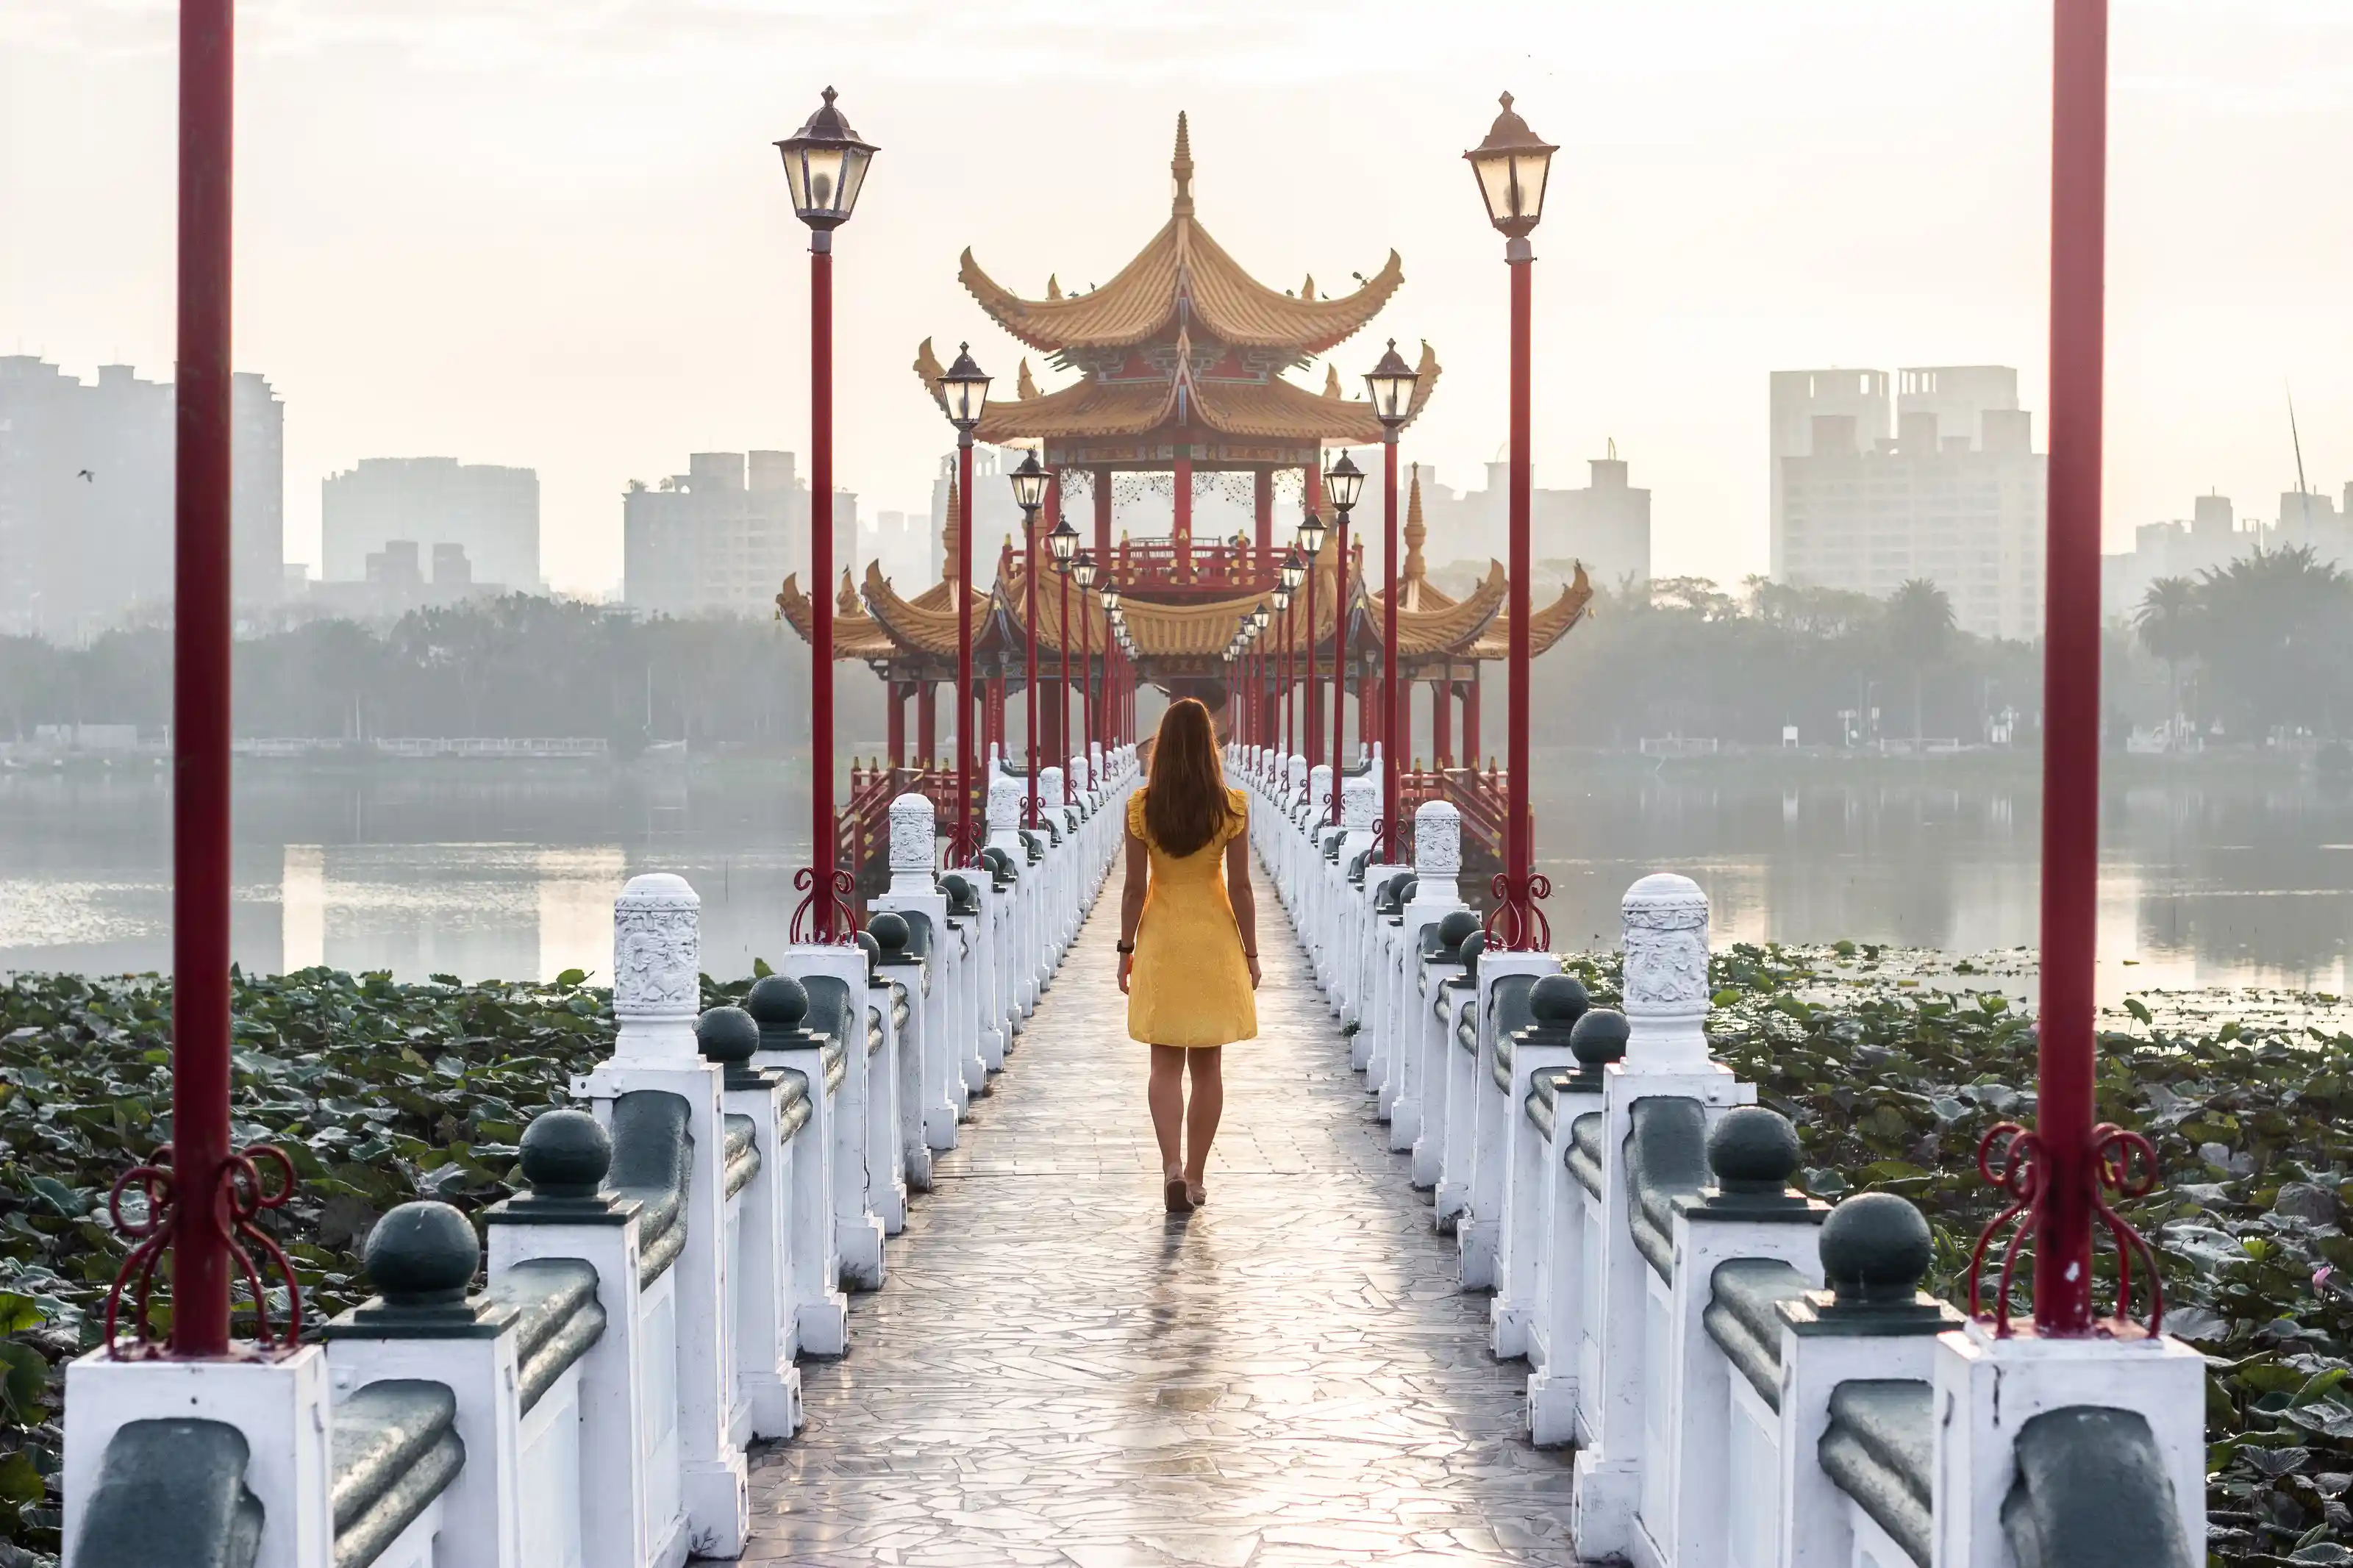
(1131, 903)
(1245, 902)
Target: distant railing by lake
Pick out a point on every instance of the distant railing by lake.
(468, 746)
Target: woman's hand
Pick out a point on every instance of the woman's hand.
(1253, 968)
(1127, 967)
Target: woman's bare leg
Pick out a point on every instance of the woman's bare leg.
(1207, 1065)
(1165, 1095)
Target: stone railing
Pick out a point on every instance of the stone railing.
(682, 1239)
(1749, 1378)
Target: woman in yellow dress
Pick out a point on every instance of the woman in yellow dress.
(1188, 940)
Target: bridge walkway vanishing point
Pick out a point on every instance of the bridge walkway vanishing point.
(1059, 1373)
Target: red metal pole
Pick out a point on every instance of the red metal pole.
(1286, 693)
(963, 646)
(1087, 671)
(1311, 720)
(822, 852)
(1339, 652)
(1029, 632)
(1064, 727)
(200, 685)
(1392, 698)
(2064, 1110)
(1518, 852)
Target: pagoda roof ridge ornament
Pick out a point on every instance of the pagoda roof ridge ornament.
(1180, 170)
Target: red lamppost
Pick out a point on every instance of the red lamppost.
(1311, 541)
(1083, 572)
(1343, 483)
(1390, 384)
(965, 387)
(1110, 607)
(1029, 493)
(1260, 619)
(1512, 164)
(824, 166)
(1063, 545)
(1287, 579)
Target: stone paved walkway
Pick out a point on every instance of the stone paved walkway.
(1059, 1373)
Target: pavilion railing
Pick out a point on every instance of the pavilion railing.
(1234, 565)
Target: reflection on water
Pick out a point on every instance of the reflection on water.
(2210, 877)
(2207, 878)
(481, 872)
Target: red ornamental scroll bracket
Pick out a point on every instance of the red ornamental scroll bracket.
(1517, 923)
(238, 1198)
(2010, 1158)
(804, 931)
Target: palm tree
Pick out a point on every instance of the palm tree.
(2170, 622)
(1919, 627)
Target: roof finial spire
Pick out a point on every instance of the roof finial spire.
(1180, 168)
(1415, 531)
(950, 558)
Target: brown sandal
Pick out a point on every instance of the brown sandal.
(1178, 1200)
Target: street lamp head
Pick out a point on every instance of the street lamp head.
(1262, 616)
(1343, 482)
(1512, 165)
(1063, 543)
(1281, 597)
(1082, 569)
(825, 164)
(1293, 571)
(1311, 535)
(1030, 484)
(1110, 596)
(964, 386)
(1390, 384)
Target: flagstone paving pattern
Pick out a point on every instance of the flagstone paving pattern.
(1059, 1373)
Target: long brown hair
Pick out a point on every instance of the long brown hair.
(1185, 806)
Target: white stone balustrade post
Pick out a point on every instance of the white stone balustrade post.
(1665, 919)
(1004, 799)
(281, 1409)
(915, 891)
(1057, 868)
(1360, 804)
(562, 1214)
(1436, 861)
(656, 995)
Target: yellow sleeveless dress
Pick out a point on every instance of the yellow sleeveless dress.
(1190, 985)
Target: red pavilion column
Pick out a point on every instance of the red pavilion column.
(896, 717)
(927, 720)
(1103, 516)
(1262, 517)
(1183, 531)
(1441, 722)
(1471, 719)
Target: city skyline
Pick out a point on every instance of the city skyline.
(1720, 213)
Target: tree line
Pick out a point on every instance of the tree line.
(513, 667)
(2258, 648)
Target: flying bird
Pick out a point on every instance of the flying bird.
(87, 476)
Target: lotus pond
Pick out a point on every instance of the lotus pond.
(381, 1091)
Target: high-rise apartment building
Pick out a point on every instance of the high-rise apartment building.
(720, 538)
(491, 512)
(1955, 496)
(1605, 526)
(85, 495)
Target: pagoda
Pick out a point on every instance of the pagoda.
(1182, 361)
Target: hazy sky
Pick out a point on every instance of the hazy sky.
(554, 232)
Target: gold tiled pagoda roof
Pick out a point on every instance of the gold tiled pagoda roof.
(1274, 408)
(1546, 626)
(1182, 262)
(856, 633)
